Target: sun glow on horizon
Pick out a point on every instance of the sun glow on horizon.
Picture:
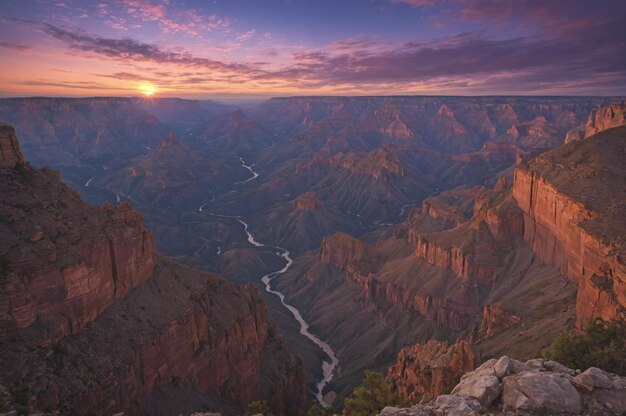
(148, 89)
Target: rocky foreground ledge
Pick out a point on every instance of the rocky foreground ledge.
(509, 387)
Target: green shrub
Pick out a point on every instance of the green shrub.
(23, 410)
(602, 344)
(5, 268)
(20, 394)
(315, 410)
(258, 407)
(372, 396)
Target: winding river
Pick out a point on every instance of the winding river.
(328, 367)
(254, 174)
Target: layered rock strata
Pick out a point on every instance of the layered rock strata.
(94, 321)
(574, 206)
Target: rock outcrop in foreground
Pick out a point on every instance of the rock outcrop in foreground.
(428, 370)
(94, 321)
(509, 387)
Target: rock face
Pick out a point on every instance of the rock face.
(428, 370)
(575, 221)
(507, 386)
(381, 164)
(471, 249)
(496, 318)
(67, 131)
(10, 153)
(94, 321)
(308, 201)
(606, 117)
(349, 253)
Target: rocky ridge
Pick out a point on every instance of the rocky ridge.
(603, 118)
(10, 153)
(573, 200)
(506, 386)
(95, 321)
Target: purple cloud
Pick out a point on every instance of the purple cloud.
(15, 46)
(126, 49)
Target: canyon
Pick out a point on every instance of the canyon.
(94, 319)
(417, 236)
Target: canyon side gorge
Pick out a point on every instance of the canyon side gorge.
(292, 244)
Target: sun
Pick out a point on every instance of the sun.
(148, 89)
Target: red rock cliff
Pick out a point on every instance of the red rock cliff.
(573, 199)
(308, 201)
(349, 253)
(428, 370)
(360, 262)
(10, 153)
(94, 321)
(471, 249)
(606, 117)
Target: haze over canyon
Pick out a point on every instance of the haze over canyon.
(392, 207)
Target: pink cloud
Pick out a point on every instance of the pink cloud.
(246, 36)
(417, 3)
(188, 22)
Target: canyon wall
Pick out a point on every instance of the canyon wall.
(573, 221)
(361, 261)
(94, 321)
(470, 249)
(10, 153)
(602, 118)
(606, 117)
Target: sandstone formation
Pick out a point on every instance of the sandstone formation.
(574, 206)
(506, 386)
(308, 201)
(349, 254)
(428, 370)
(10, 154)
(94, 321)
(603, 118)
(606, 117)
(471, 249)
(496, 318)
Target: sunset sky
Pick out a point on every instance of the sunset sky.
(260, 48)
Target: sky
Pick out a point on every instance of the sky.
(260, 48)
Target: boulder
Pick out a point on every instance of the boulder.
(551, 392)
(594, 378)
(449, 405)
(485, 389)
(506, 366)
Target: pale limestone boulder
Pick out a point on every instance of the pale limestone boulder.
(551, 392)
(594, 378)
(486, 369)
(449, 405)
(506, 366)
(484, 388)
